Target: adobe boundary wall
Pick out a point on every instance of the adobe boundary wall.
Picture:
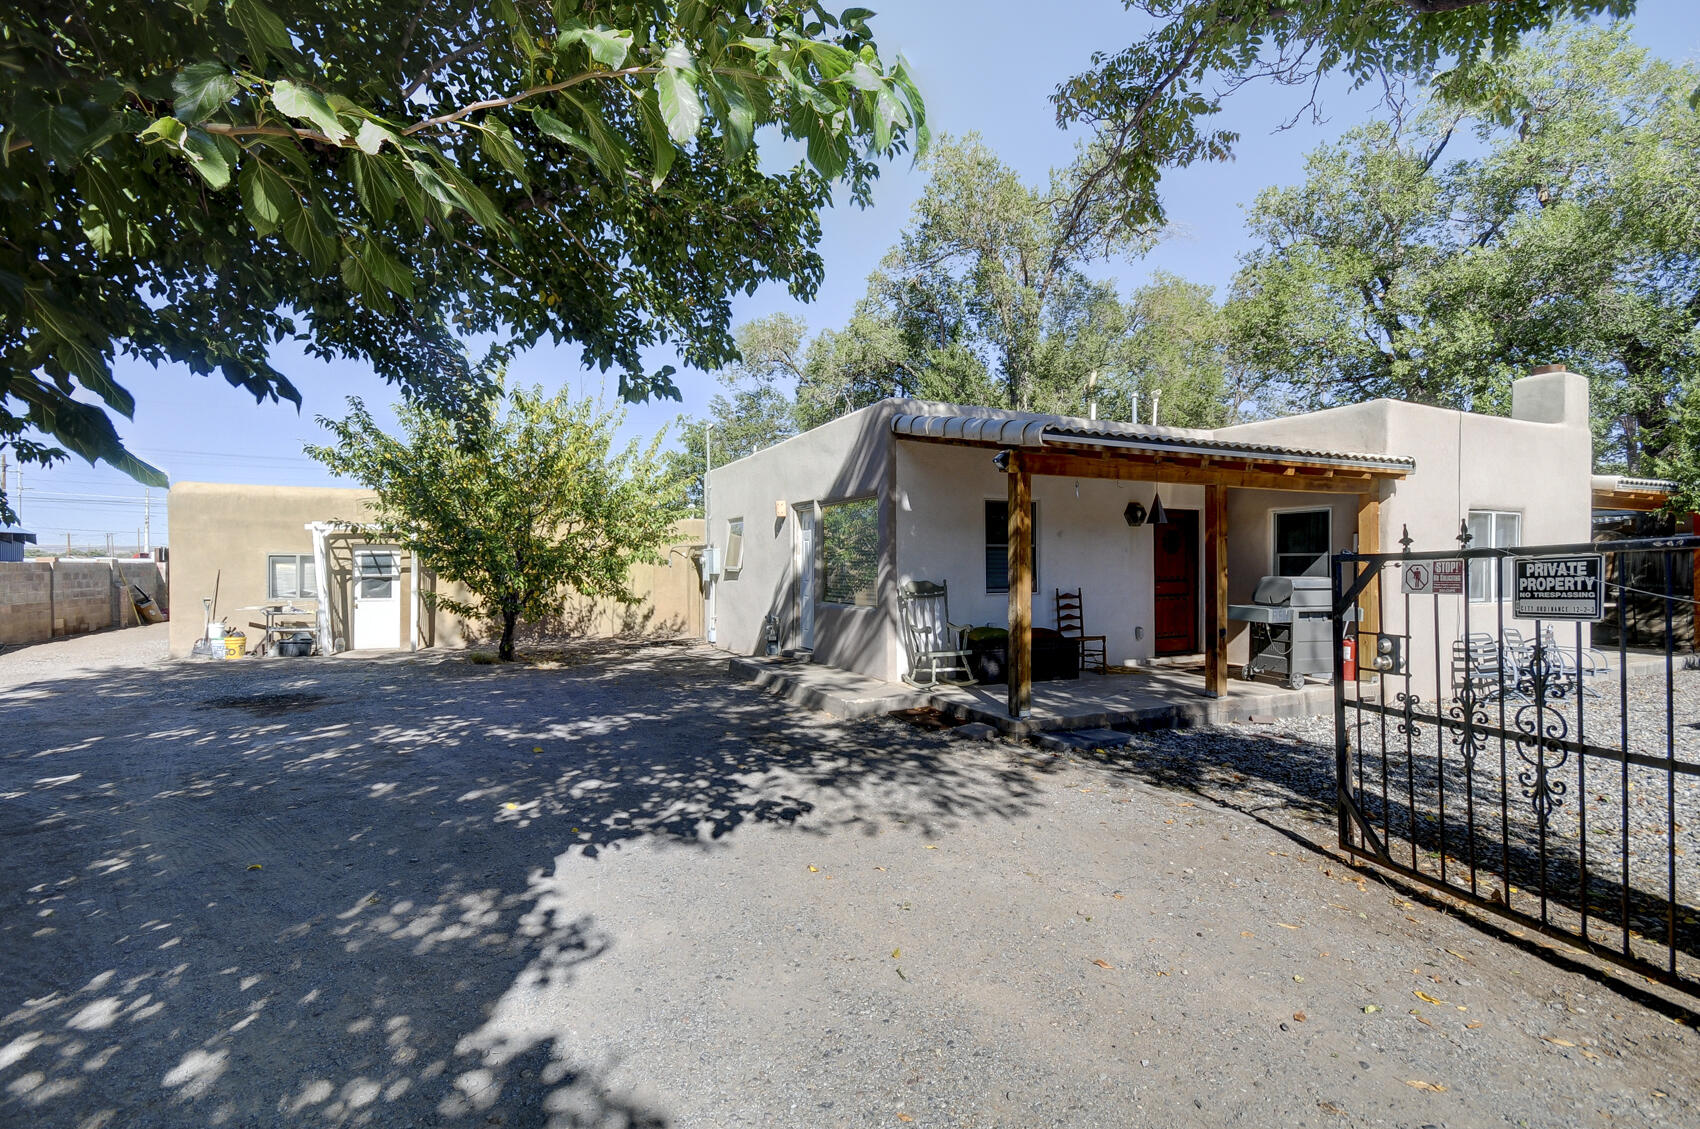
(45, 599)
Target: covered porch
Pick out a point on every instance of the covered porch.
(1025, 449)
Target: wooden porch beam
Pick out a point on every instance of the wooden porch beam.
(1019, 645)
(1369, 541)
(1127, 470)
(1216, 576)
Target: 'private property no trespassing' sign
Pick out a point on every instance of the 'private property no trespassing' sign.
(1559, 587)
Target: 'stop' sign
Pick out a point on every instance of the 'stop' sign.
(1559, 587)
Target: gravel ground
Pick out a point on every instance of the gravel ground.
(627, 892)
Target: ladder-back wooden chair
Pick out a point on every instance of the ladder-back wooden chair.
(936, 653)
(1071, 624)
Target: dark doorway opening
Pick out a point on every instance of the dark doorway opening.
(1174, 571)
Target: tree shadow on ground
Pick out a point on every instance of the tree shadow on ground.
(332, 892)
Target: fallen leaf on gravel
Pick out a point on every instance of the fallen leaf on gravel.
(1245, 933)
(1420, 1018)
(1558, 1042)
(1298, 979)
(1370, 1009)
(1298, 1017)
(1101, 964)
(1472, 1026)
(1660, 1094)
(814, 870)
(1330, 1107)
(1425, 997)
(879, 868)
(1284, 925)
(904, 1117)
(1431, 1087)
(932, 846)
(896, 953)
(255, 866)
(1459, 955)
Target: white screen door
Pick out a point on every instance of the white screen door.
(377, 599)
(806, 576)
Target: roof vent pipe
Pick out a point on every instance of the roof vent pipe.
(1156, 394)
(1092, 394)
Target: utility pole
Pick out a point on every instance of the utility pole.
(147, 521)
(109, 544)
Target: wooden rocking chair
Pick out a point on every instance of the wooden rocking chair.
(936, 653)
(1071, 624)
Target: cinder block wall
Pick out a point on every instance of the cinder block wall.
(26, 601)
(43, 599)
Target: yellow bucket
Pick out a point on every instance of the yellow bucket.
(234, 645)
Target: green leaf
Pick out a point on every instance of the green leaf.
(606, 45)
(371, 136)
(374, 186)
(306, 104)
(263, 30)
(311, 232)
(206, 158)
(681, 107)
(58, 132)
(266, 196)
(169, 130)
(661, 148)
(497, 142)
(862, 77)
(68, 341)
(202, 90)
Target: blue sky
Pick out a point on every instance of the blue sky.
(988, 67)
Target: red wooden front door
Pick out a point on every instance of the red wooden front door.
(1174, 569)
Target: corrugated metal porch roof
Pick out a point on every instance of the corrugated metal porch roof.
(1038, 431)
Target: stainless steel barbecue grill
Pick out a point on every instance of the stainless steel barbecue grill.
(1289, 628)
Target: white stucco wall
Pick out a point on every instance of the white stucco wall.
(839, 461)
(1083, 540)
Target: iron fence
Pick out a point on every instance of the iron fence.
(1524, 765)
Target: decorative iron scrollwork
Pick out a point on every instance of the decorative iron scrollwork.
(1541, 733)
(1469, 722)
(1411, 704)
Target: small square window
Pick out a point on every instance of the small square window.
(997, 546)
(1492, 529)
(1301, 542)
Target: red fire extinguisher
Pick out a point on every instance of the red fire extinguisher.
(1349, 658)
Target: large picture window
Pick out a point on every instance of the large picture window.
(997, 547)
(1302, 542)
(289, 576)
(1492, 529)
(850, 551)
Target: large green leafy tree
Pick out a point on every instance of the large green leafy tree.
(1571, 234)
(1151, 105)
(522, 499)
(194, 180)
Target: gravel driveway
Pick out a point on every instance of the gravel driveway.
(628, 892)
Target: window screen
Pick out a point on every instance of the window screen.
(1301, 543)
(1492, 529)
(289, 576)
(850, 551)
(997, 547)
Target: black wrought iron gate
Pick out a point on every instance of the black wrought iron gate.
(1514, 763)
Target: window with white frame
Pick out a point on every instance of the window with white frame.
(289, 576)
(1492, 529)
(734, 544)
(1302, 541)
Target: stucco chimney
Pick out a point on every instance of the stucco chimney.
(1551, 394)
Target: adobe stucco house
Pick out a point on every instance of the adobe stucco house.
(817, 533)
(268, 545)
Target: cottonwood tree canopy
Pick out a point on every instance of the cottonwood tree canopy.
(1571, 233)
(196, 180)
(521, 497)
(1150, 105)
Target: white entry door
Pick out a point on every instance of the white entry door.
(806, 576)
(376, 622)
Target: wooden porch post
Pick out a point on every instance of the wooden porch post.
(1020, 642)
(1369, 601)
(1216, 607)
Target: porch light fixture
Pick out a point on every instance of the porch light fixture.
(1135, 514)
(1001, 461)
(1158, 515)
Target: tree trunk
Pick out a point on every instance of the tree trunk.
(506, 651)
